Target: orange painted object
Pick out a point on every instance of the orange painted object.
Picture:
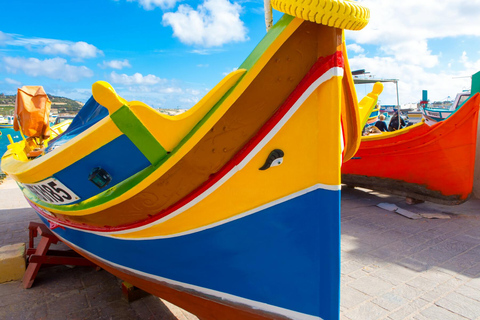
(432, 163)
(32, 110)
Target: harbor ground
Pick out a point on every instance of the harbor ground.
(392, 267)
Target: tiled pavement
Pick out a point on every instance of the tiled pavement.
(397, 268)
(392, 267)
(67, 293)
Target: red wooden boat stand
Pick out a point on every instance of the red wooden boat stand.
(40, 255)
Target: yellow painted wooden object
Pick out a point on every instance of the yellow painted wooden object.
(21, 170)
(105, 95)
(250, 188)
(15, 149)
(170, 130)
(368, 103)
(352, 129)
(59, 128)
(395, 133)
(12, 262)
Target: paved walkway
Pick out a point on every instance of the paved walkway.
(392, 267)
(67, 293)
(397, 268)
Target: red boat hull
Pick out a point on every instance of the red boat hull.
(432, 163)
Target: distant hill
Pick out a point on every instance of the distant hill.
(60, 105)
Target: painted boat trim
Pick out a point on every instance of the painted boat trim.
(182, 206)
(239, 216)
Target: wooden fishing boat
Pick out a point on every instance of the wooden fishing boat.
(433, 163)
(230, 210)
(6, 123)
(435, 114)
(373, 118)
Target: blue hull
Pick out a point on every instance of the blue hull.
(286, 256)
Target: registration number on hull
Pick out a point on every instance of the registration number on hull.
(52, 191)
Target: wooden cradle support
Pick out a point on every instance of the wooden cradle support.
(41, 255)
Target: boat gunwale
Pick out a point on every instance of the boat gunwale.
(428, 131)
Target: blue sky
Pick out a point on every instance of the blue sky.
(169, 53)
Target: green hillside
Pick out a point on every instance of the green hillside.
(59, 104)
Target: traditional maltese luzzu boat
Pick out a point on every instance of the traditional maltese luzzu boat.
(433, 163)
(230, 210)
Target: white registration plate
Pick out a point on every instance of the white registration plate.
(52, 191)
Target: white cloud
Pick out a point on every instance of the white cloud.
(355, 48)
(399, 37)
(214, 23)
(190, 101)
(79, 94)
(412, 80)
(413, 52)
(229, 71)
(78, 50)
(12, 81)
(135, 79)
(115, 64)
(56, 68)
(406, 20)
(152, 4)
(206, 51)
(471, 67)
(166, 93)
(171, 90)
(3, 37)
(202, 52)
(194, 92)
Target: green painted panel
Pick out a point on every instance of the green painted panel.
(134, 129)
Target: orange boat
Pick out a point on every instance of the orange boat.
(433, 163)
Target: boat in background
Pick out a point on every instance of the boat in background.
(363, 77)
(432, 163)
(230, 210)
(6, 123)
(433, 113)
(373, 118)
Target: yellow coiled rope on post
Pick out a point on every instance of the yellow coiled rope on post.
(343, 14)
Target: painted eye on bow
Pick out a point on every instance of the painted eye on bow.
(275, 158)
